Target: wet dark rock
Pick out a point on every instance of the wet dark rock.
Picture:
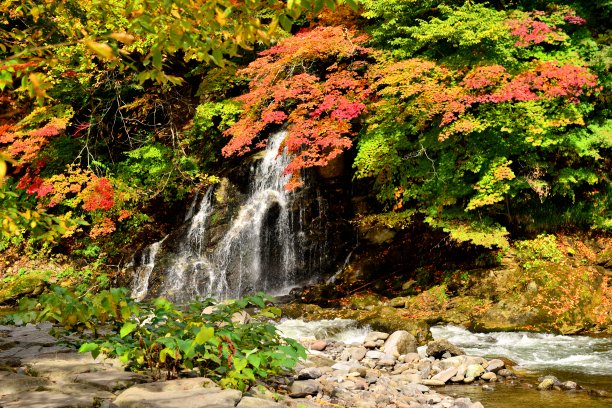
(437, 348)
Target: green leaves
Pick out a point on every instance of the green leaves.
(92, 348)
(127, 328)
(159, 336)
(205, 334)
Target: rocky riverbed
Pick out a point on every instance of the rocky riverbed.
(379, 370)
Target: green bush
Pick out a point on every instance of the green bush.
(533, 253)
(204, 336)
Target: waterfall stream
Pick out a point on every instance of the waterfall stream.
(256, 253)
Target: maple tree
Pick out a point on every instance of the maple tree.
(313, 83)
(465, 133)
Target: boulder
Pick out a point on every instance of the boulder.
(300, 389)
(111, 380)
(188, 392)
(311, 373)
(546, 384)
(318, 345)
(446, 374)
(490, 376)
(495, 365)
(46, 399)
(437, 348)
(400, 342)
(474, 371)
(376, 335)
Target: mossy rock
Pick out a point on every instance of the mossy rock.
(509, 316)
(604, 258)
(364, 301)
(399, 302)
(463, 310)
(31, 285)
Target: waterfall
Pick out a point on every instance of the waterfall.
(143, 267)
(256, 253)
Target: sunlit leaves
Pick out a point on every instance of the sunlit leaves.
(290, 87)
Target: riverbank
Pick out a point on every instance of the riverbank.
(39, 371)
(347, 366)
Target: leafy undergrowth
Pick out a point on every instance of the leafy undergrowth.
(217, 340)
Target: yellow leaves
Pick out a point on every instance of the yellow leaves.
(38, 85)
(101, 49)
(2, 170)
(123, 37)
(503, 172)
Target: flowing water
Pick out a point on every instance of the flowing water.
(345, 330)
(585, 360)
(258, 252)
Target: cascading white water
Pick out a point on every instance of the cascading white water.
(534, 351)
(258, 251)
(145, 263)
(241, 251)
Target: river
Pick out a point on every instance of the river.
(583, 359)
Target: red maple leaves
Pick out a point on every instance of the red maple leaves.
(314, 83)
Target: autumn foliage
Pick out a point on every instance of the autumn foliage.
(314, 84)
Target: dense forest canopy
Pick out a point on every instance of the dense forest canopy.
(490, 120)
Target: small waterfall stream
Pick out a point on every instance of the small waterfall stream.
(258, 252)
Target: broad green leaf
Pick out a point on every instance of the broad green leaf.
(127, 328)
(205, 334)
(254, 360)
(85, 347)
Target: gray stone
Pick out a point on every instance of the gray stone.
(300, 389)
(474, 370)
(46, 399)
(188, 392)
(111, 380)
(386, 361)
(373, 336)
(504, 372)
(437, 348)
(445, 375)
(495, 365)
(311, 373)
(487, 387)
(569, 385)
(400, 342)
(358, 353)
(375, 354)
(468, 380)
(252, 402)
(346, 366)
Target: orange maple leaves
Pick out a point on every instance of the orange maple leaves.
(313, 82)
